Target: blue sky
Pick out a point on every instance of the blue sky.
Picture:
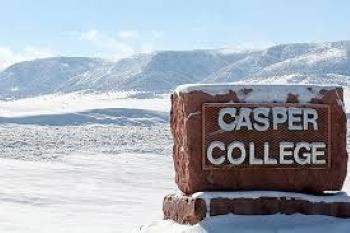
(114, 29)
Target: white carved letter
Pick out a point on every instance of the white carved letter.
(261, 115)
(231, 147)
(294, 117)
(279, 116)
(316, 152)
(310, 116)
(307, 156)
(210, 149)
(227, 126)
(252, 159)
(284, 153)
(244, 119)
(268, 160)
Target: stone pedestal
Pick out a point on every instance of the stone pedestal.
(233, 139)
(191, 209)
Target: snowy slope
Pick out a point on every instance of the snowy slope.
(108, 116)
(77, 108)
(43, 76)
(78, 102)
(157, 72)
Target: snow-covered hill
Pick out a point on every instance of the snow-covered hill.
(44, 76)
(162, 71)
(156, 72)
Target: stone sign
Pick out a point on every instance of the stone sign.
(285, 139)
(278, 137)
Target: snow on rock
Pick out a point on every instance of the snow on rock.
(259, 93)
(329, 197)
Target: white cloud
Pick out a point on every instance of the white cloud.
(156, 34)
(106, 45)
(242, 47)
(9, 56)
(128, 34)
(117, 45)
(256, 44)
(91, 35)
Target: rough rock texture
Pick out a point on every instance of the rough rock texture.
(186, 125)
(184, 209)
(191, 210)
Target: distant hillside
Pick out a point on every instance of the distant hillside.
(163, 71)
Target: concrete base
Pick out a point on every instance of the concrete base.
(194, 208)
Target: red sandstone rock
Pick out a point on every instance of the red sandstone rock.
(184, 209)
(186, 125)
(191, 210)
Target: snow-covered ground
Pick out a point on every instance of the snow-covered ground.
(52, 142)
(255, 224)
(105, 173)
(101, 175)
(87, 193)
(78, 102)
(82, 102)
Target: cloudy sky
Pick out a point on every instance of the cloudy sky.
(111, 28)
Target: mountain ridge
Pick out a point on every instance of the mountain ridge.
(162, 71)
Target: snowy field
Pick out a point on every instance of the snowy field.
(29, 142)
(256, 224)
(83, 163)
(97, 193)
(78, 102)
(106, 171)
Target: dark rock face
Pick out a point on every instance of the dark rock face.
(186, 125)
(189, 210)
